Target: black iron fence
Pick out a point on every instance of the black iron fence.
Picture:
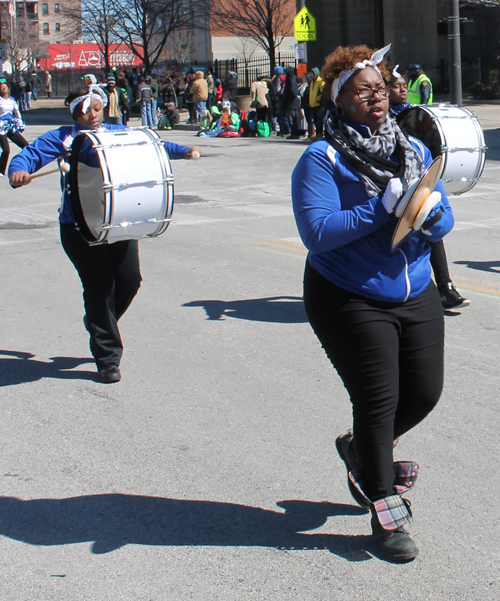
(440, 76)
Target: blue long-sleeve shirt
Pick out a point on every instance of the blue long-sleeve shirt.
(348, 234)
(57, 143)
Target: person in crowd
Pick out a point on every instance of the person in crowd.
(450, 297)
(123, 84)
(218, 90)
(35, 82)
(117, 105)
(109, 273)
(155, 89)
(377, 313)
(209, 76)
(419, 86)
(134, 80)
(290, 103)
(188, 98)
(199, 90)
(11, 125)
(303, 114)
(230, 86)
(170, 118)
(315, 105)
(145, 100)
(21, 82)
(48, 83)
(259, 98)
(89, 79)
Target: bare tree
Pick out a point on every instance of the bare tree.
(95, 20)
(146, 25)
(181, 46)
(23, 43)
(265, 21)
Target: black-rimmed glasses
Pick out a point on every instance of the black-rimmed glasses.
(366, 93)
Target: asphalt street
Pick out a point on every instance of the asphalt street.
(210, 472)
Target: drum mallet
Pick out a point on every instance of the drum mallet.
(63, 168)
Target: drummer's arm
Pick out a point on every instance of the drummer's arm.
(42, 151)
(175, 151)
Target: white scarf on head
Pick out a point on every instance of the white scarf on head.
(395, 73)
(376, 58)
(95, 92)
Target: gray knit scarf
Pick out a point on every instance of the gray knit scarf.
(371, 156)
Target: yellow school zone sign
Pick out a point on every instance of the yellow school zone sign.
(304, 26)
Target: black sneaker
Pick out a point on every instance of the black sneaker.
(344, 444)
(110, 375)
(451, 299)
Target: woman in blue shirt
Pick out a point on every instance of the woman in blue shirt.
(377, 313)
(109, 273)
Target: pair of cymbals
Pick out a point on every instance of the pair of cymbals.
(414, 202)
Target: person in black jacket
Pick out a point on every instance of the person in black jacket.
(230, 86)
(290, 103)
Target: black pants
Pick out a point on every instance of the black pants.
(390, 358)
(111, 277)
(18, 139)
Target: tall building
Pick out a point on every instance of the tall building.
(45, 20)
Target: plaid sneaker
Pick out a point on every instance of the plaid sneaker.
(389, 519)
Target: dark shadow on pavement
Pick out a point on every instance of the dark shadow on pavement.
(489, 266)
(276, 309)
(17, 367)
(112, 521)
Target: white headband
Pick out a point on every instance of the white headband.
(95, 92)
(376, 58)
(395, 73)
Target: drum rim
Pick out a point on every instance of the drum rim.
(74, 191)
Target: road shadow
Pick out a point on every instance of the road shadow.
(275, 309)
(489, 266)
(17, 367)
(112, 521)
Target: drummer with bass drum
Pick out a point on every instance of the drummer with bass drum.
(109, 273)
(450, 297)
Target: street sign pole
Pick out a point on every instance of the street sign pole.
(455, 58)
(300, 5)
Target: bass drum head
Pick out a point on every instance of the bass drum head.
(419, 122)
(454, 133)
(86, 192)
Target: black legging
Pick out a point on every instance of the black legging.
(390, 358)
(18, 139)
(439, 264)
(110, 277)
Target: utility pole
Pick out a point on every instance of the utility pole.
(455, 58)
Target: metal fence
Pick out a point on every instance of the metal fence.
(440, 76)
(250, 70)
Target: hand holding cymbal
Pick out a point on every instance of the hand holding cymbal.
(417, 202)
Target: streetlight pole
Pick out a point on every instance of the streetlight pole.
(454, 52)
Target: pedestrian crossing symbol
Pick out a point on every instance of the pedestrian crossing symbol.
(304, 26)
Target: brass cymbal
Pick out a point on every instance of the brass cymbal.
(418, 198)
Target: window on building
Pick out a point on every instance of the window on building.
(56, 8)
(58, 27)
(46, 29)
(45, 9)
